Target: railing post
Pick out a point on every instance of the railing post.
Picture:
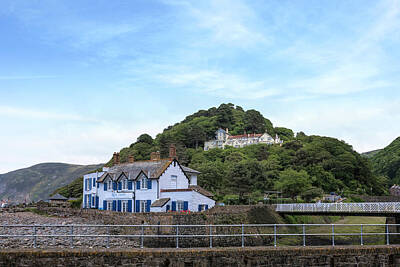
(72, 238)
(242, 235)
(304, 235)
(142, 236)
(274, 235)
(361, 236)
(333, 235)
(211, 236)
(177, 239)
(34, 237)
(108, 237)
(387, 235)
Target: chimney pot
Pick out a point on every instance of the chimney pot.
(115, 158)
(131, 159)
(155, 156)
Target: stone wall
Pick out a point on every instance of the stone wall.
(385, 256)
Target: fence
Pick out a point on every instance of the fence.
(373, 207)
(236, 235)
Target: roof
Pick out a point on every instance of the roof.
(201, 190)
(57, 197)
(244, 136)
(195, 188)
(189, 170)
(153, 169)
(160, 202)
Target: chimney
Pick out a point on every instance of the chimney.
(131, 159)
(155, 156)
(172, 152)
(115, 158)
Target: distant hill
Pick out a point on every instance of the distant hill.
(370, 154)
(38, 181)
(386, 162)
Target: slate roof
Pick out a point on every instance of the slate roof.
(201, 190)
(57, 197)
(244, 136)
(153, 169)
(160, 202)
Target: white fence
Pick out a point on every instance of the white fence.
(374, 207)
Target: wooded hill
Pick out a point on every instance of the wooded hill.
(304, 165)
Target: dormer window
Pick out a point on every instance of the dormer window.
(143, 183)
(124, 184)
(109, 183)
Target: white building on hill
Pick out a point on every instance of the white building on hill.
(155, 185)
(223, 138)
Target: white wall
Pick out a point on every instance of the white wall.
(165, 179)
(194, 198)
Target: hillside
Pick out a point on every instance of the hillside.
(305, 166)
(370, 154)
(38, 181)
(387, 162)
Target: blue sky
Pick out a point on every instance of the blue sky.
(81, 79)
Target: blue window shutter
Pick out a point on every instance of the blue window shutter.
(97, 202)
(114, 186)
(137, 206)
(129, 205)
(148, 204)
(185, 205)
(114, 207)
(119, 185)
(199, 207)
(137, 184)
(90, 201)
(129, 185)
(94, 182)
(168, 208)
(105, 186)
(173, 205)
(119, 205)
(206, 207)
(85, 184)
(90, 183)
(104, 205)
(98, 185)
(149, 184)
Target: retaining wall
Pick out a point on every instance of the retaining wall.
(386, 256)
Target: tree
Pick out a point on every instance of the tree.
(254, 122)
(293, 183)
(145, 138)
(312, 193)
(284, 134)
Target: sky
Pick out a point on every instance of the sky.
(82, 79)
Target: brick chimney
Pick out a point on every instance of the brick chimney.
(131, 159)
(115, 158)
(155, 156)
(172, 152)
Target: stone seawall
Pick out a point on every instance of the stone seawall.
(385, 256)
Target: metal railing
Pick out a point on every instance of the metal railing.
(374, 207)
(179, 233)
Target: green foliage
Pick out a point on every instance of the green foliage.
(293, 183)
(76, 203)
(284, 134)
(145, 138)
(386, 162)
(73, 189)
(312, 193)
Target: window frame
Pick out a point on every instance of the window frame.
(143, 182)
(109, 184)
(109, 205)
(124, 205)
(180, 205)
(124, 184)
(143, 205)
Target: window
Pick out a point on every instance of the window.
(109, 205)
(143, 183)
(124, 184)
(124, 206)
(174, 181)
(179, 205)
(143, 205)
(109, 184)
(93, 201)
(94, 182)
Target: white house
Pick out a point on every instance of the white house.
(223, 138)
(155, 185)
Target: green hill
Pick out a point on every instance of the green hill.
(304, 165)
(39, 181)
(387, 162)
